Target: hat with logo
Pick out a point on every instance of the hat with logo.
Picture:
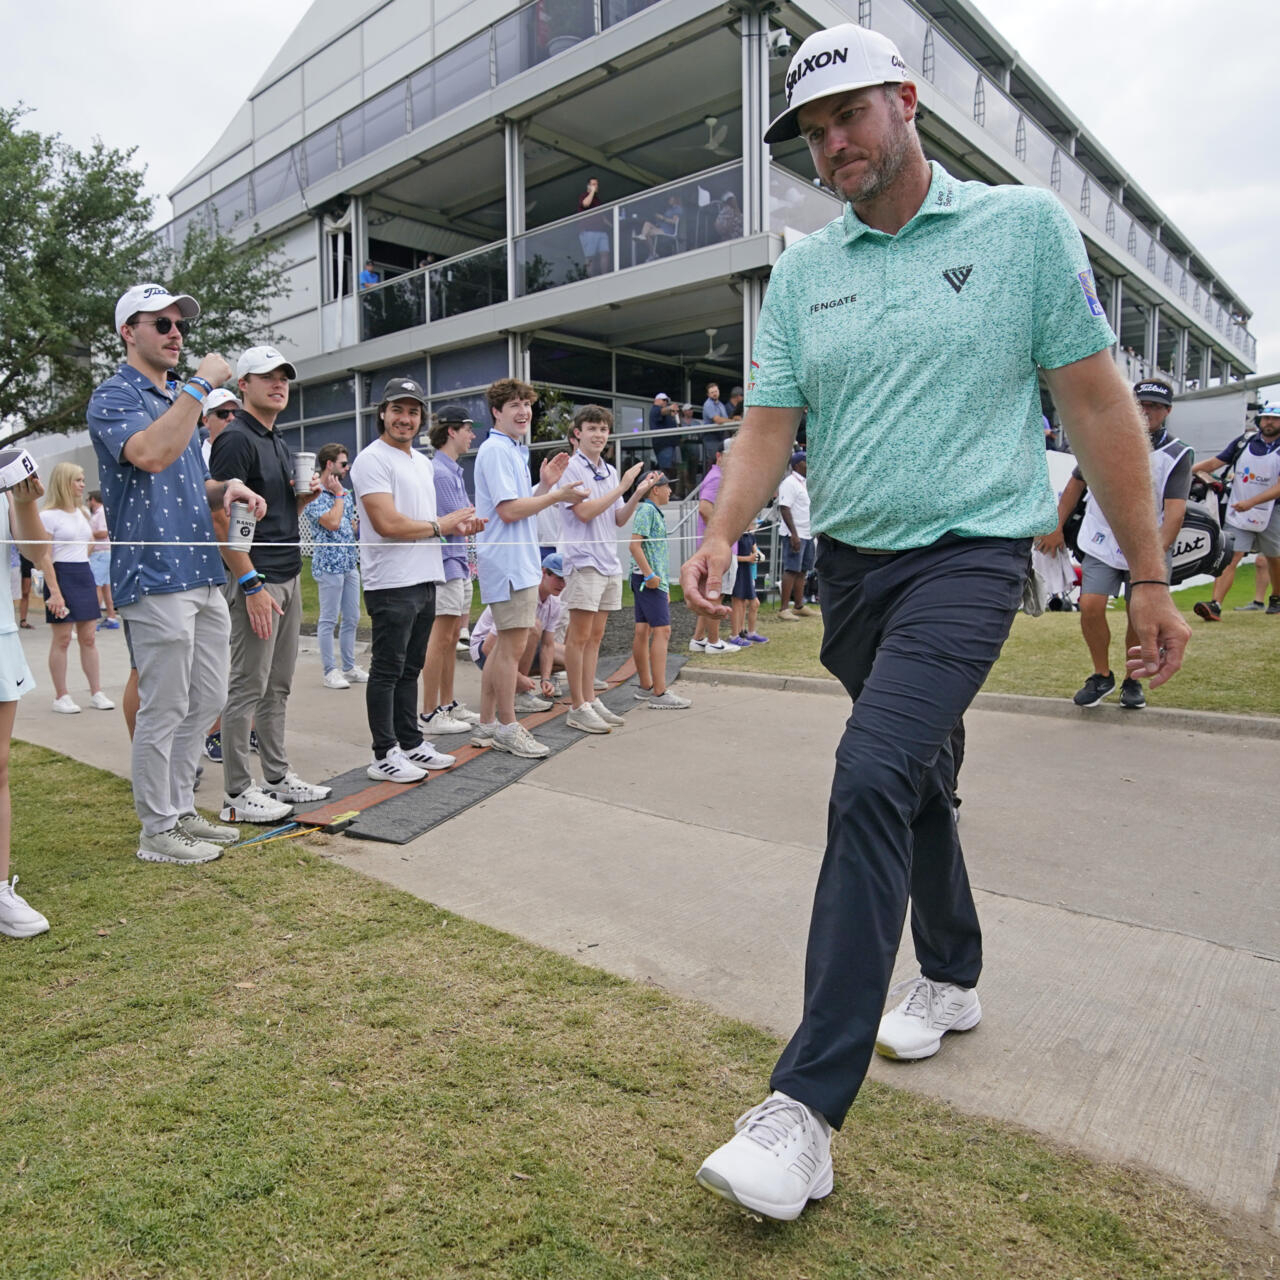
(453, 415)
(263, 360)
(217, 398)
(554, 563)
(153, 297)
(406, 389)
(1149, 391)
(837, 60)
(1269, 411)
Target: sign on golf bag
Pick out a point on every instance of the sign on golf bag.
(1203, 545)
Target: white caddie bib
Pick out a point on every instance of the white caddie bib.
(1254, 474)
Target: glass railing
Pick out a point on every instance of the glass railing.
(451, 288)
(796, 205)
(660, 223)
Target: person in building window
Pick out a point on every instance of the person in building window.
(666, 223)
(729, 219)
(593, 235)
(369, 277)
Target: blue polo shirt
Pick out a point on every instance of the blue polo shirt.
(167, 507)
(506, 554)
(451, 495)
(916, 355)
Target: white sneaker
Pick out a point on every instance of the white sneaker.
(66, 705)
(393, 767)
(292, 790)
(334, 680)
(720, 649)
(425, 756)
(440, 721)
(460, 711)
(697, 646)
(609, 717)
(516, 740)
(18, 919)
(252, 805)
(199, 828)
(483, 734)
(601, 685)
(668, 701)
(175, 845)
(100, 702)
(777, 1161)
(585, 718)
(528, 704)
(356, 675)
(915, 1027)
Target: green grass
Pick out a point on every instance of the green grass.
(1229, 667)
(271, 1066)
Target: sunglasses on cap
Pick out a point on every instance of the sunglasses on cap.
(163, 324)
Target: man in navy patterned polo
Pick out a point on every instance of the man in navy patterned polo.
(165, 568)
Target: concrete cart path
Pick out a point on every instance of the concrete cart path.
(1132, 984)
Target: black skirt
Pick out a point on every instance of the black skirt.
(79, 592)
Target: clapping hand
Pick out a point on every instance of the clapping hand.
(552, 469)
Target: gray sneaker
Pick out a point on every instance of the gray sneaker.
(516, 740)
(642, 694)
(529, 704)
(609, 717)
(1254, 606)
(482, 734)
(669, 702)
(175, 845)
(202, 829)
(585, 719)
(1273, 604)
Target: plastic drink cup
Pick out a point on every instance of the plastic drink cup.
(304, 467)
(243, 522)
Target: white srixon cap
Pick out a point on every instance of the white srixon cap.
(837, 60)
(153, 297)
(263, 360)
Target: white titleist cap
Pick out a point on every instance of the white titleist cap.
(217, 398)
(263, 360)
(153, 297)
(837, 60)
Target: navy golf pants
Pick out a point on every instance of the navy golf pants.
(911, 636)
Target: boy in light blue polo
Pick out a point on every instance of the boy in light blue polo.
(507, 559)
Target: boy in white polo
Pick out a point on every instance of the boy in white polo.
(507, 557)
(590, 548)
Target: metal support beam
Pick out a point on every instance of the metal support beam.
(755, 105)
(513, 166)
(593, 155)
(753, 288)
(431, 217)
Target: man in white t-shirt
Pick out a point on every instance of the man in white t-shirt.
(797, 544)
(401, 561)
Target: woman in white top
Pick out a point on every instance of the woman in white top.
(72, 598)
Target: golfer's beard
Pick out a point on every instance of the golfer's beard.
(879, 177)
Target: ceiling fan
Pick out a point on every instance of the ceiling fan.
(716, 134)
(714, 352)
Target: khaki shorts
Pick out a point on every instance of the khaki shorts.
(453, 599)
(520, 610)
(593, 591)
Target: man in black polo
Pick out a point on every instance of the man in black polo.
(264, 596)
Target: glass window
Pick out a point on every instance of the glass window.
(464, 284)
(292, 436)
(646, 378)
(341, 431)
(471, 367)
(903, 25)
(798, 205)
(330, 397)
(375, 382)
(274, 181)
(293, 410)
(384, 118)
(570, 366)
(320, 153)
(231, 204)
(422, 95)
(461, 74)
(388, 308)
(478, 407)
(617, 10)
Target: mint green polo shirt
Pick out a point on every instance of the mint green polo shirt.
(916, 356)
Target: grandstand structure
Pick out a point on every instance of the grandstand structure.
(442, 146)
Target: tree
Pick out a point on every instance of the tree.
(75, 232)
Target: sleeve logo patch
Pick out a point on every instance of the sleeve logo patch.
(1090, 292)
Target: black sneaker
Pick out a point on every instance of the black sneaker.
(1096, 688)
(1273, 605)
(1209, 610)
(1131, 695)
(253, 741)
(213, 747)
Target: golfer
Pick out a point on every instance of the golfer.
(912, 330)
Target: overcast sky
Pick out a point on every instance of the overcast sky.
(1183, 94)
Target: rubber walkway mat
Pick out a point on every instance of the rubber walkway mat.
(395, 813)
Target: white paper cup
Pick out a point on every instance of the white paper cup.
(304, 467)
(243, 522)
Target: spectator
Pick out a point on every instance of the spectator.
(369, 277)
(590, 549)
(715, 414)
(168, 592)
(507, 559)
(797, 546)
(70, 591)
(734, 405)
(219, 408)
(597, 248)
(442, 713)
(706, 629)
(745, 605)
(266, 600)
(666, 223)
(663, 415)
(1104, 569)
(100, 561)
(335, 565)
(729, 219)
(18, 919)
(651, 589)
(1253, 515)
(541, 646)
(400, 535)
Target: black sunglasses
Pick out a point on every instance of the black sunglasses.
(221, 413)
(164, 324)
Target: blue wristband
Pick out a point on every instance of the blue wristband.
(195, 395)
(201, 382)
(253, 591)
(250, 577)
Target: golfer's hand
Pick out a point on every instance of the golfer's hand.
(701, 575)
(262, 608)
(1162, 636)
